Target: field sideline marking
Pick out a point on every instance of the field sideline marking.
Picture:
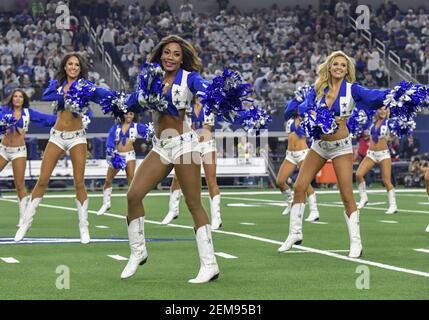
(246, 236)
(422, 250)
(324, 205)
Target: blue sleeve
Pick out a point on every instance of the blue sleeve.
(110, 142)
(42, 119)
(197, 84)
(369, 98)
(100, 94)
(51, 93)
(290, 109)
(308, 103)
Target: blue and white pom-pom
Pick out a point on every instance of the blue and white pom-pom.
(319, 122)
(6, 122)
(224, 97)
(114, 103)
(77, 98)
(401, 126)
(150, 88)
(302, 93)
(407, 99)
(117, 161)
(254, 118)
(360, 120)
(148, 131)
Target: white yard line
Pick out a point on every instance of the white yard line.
(225, 255)
(9, 260)
(388, 221)
(422, 250)
(117, 257)
(247, 236)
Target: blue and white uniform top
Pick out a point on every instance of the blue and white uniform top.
(29, 115)
(55, 92)
(291, 127)
(382, 132)
(344, 104)
(117, 136)
(179, 96)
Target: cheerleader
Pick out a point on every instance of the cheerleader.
(70, 92)
(203, 125)
(175, 145)
(120, 143)
(12, 147)
(334, 93)
(378, 152)
(297, 150)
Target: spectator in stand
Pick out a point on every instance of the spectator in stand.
(363, 144)
(410, 147)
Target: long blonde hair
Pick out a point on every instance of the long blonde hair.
(324, 75)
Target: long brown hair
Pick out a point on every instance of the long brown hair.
(9, 99)
(61, 75)
(191, 60)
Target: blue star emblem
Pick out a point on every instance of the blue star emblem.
(177, 92)
(337, 144)
(177, 102)
(181, 139)
(346, 142)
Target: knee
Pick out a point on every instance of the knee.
(193, 205)
(387, 183)
(133, 197)
(280, 183)
(299, 188)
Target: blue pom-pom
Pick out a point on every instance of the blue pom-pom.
(224, 97)
(114, 103)
(150, 88)
(360, 120)
(303, 92)
(77, 98)
(6, 122)
(401, 126)
(254, 118)
(117, 161)
(407, 99)
(319, 122)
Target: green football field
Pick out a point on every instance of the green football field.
(52, 264)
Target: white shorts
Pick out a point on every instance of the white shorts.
(296, 157)
(332, 149)
(67, 139)
(208, 147)
(171, 149)
(378, 156)
(12, 153)
(129, 155)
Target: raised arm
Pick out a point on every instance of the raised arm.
(42, 119)
(51, 92)
(369, 98)
(197, 84)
